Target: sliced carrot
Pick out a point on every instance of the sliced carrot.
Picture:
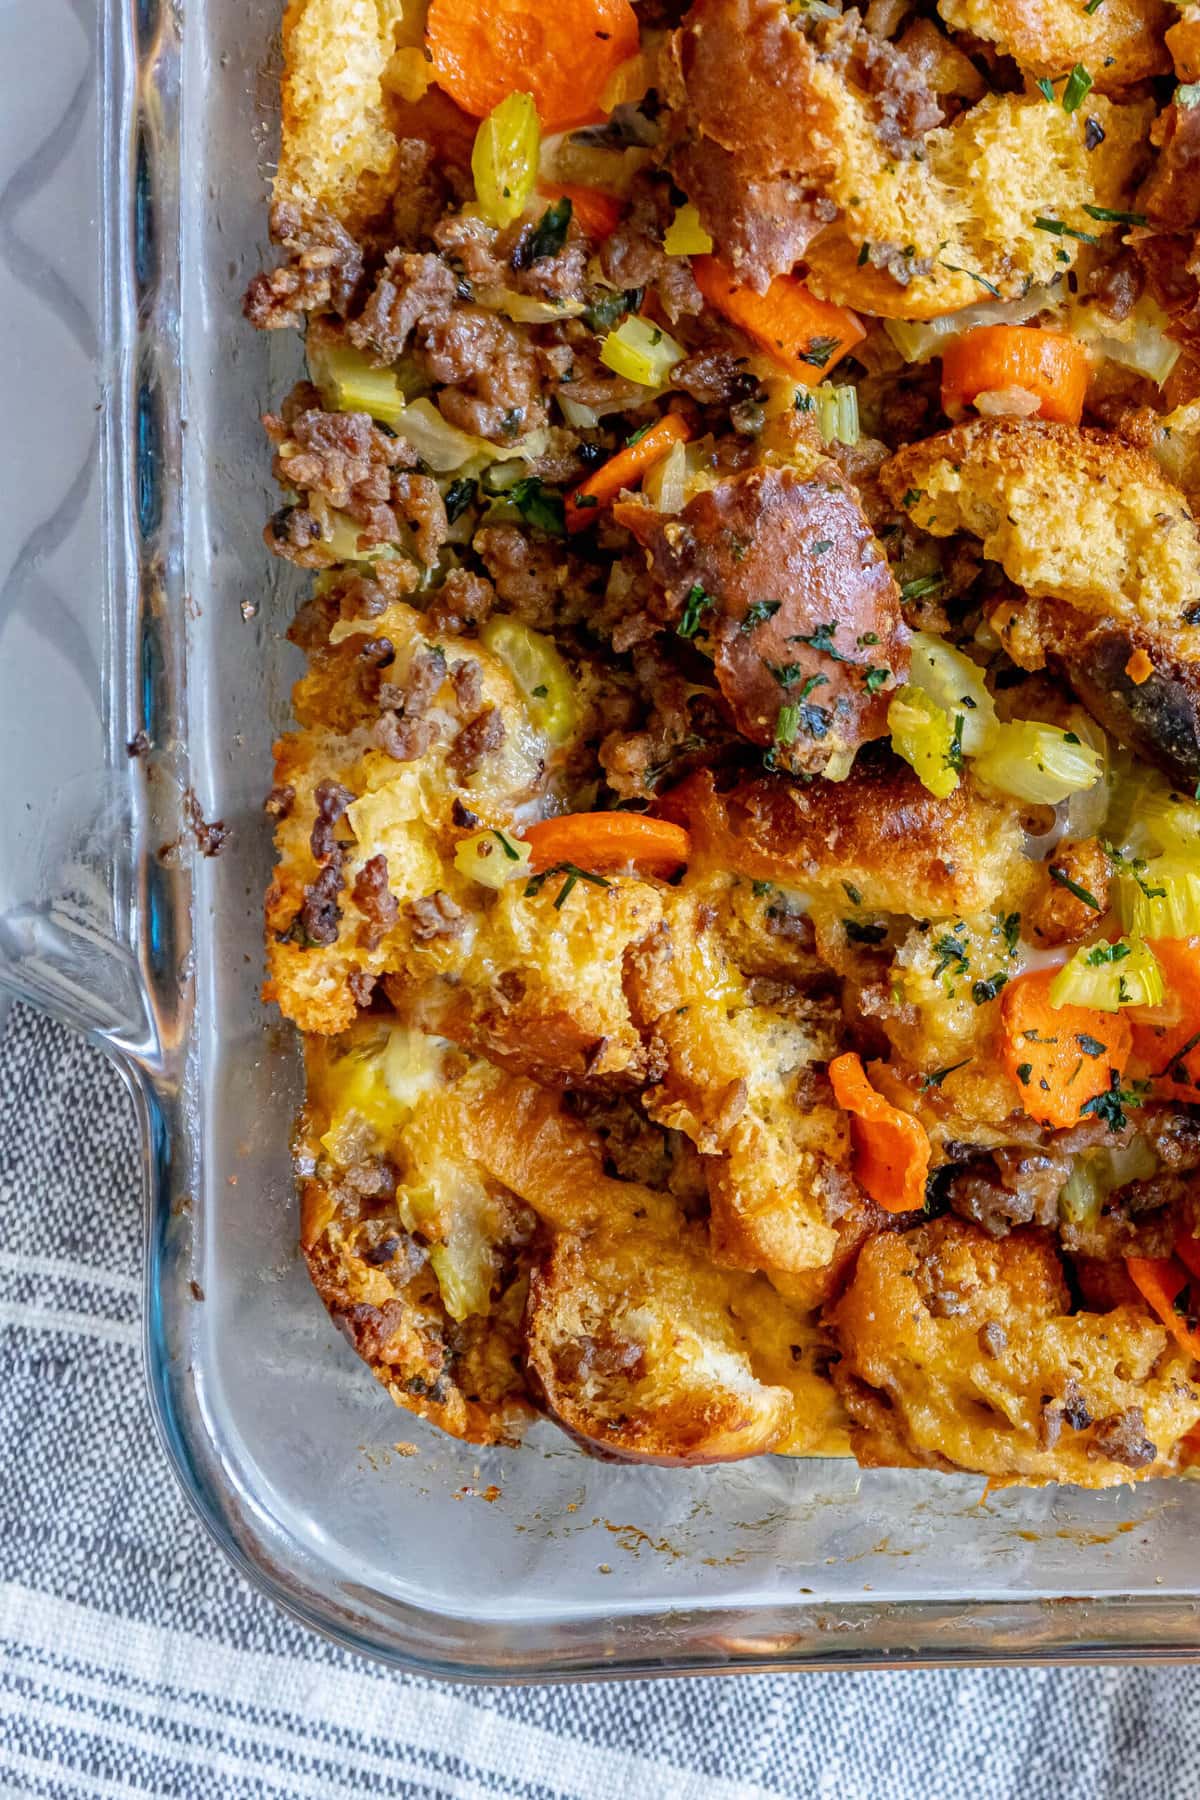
(1161, 1280)
(1046, 364)
(594, 211)
(560, 51)
(1050, 1051)
(806, 336)
(1168, 1054)
(1187, 1249)
(623, 470)
(891, 1148)
(607, 840)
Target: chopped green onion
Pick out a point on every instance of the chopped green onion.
(1079, 85)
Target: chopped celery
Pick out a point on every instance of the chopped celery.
(685, 235)
(1107, 977)
(641, 351)
(504, 160)
(837, 413)
(539, 671)
(1160, 898)
(957, 684)
(527, 309)
(1100, 1172)
(341, 539)
(924, 734)
(350, 383)
(1038, 762)
(493, 858)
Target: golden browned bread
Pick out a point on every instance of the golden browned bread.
(1072, 514)
(960, 1352)
(337, 152)
(1119, 42)
(463, 1232)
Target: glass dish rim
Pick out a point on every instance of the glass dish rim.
(142, 135)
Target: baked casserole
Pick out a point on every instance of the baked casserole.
(738, 857)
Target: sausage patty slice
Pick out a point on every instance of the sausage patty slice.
(795, 600)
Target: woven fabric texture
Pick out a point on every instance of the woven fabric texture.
(134, 1661)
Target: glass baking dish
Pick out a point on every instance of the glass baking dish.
(145, 603)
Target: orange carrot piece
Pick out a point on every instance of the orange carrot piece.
(1187, 1249)
(891, 1148)
(804, 335)
(595, 212)
(1045, 363)
(607, 840)
(560, 51)
(1166, 1052)
(623, 470)
(1160, 1280)
(1048, 1051)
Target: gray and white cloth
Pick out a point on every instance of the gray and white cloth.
(135, 1661)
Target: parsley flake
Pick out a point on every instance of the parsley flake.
(1060, 878)
(697, 602)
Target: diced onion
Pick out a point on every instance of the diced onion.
(641, 351)
(1037, 762)
(527, 309)
(410, 73)
(493, 858)
(919, 339)
(1100, 1172)
(539, 671)
(504, 160)
(1138, 342)
(957, 684)
(583, 418)
(1107, 977)
(837, 413)
(1160, 899)
(685, 235)
(444, 448)
(923, 734)
(341, 540)
(665, 483)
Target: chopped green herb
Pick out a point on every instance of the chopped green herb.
(864, 254)
(458, 497)
(820, 639)
(821, 546)
(550, 232)
(539, 505)
(852, 893)
(1011, 927)
(911, 496)
(1107, 216)
(540, 691)
(1110, 1106)
(759, 888)
(804, 401)
(874, 679)
(858, 933)
(604, 311)
(818, 351)
(867, 637)
(989, 286)
(950, 955)
(939, 1075)
(920, 586)
(1059, 228)
(954, 756)
(635, 437)
(512, 855)
(1024, 1071)
(983, 991)
(1045, 87)
(1060, 878)
(759, 612)
(1093, 6)
(697, 602)
(814, 681)
(1089, 1045)
(1079, 86)
(1106, 953)
(787, 725)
